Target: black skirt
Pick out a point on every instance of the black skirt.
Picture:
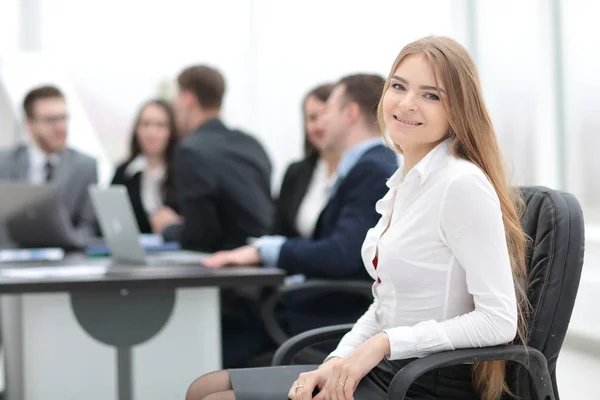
(274, 383)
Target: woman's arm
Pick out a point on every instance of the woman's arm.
(365, 328)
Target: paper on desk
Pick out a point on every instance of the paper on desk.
(47, 254)
(151, 240)
(53, 272)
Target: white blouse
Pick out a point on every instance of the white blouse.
(151, 183)
(442, 273)
(314, 200)
(37, 164)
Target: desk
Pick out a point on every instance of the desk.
(137, 332)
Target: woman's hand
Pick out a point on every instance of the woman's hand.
(163, 218)
(307, 382)
(347, 373)
(246, 255)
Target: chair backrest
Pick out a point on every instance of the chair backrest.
(554, 222)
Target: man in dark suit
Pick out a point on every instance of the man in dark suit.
(351, 129)
(222, 176)
(45, 158)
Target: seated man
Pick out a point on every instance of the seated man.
(351, 130)
(45, 158)
(222, 176)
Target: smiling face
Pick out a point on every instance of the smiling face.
(412, 109)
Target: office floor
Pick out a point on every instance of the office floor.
(576, 373)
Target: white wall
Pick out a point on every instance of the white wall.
(516, 78)
(123, 50)
(299, 44)
(8, 127)
(23, 65)
(582, 84)
(8, 25)
(8, 43)
(117, 54)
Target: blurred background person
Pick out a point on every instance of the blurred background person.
(44, 158)
(332, 251)
(148, 171)
(304, 191)
(222, 175)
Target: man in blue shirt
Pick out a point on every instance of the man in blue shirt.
(351, 130)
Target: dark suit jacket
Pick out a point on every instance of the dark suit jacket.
(74, 174)
(223, 180)
(293, 189)
(133, 185)
(334, 252)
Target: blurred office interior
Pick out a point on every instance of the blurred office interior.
(537, 59)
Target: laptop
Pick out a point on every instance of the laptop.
(121, 232)
(35, 216)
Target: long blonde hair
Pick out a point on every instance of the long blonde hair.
(473, 139)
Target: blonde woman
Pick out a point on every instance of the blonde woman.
(444, 256)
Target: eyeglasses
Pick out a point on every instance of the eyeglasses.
(51, 119)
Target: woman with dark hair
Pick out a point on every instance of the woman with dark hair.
(148, 171)
(303, 192)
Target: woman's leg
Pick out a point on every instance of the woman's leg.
(227, 395)
(270, 383)
(209, 384)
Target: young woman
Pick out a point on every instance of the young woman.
(444, 256)
(148, 171)
(303, 193)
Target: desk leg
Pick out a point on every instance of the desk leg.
(124, 380)
(11, 308)
(190, 346)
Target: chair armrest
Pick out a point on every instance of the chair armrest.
(267, 311)
(533, 360)
(286, 352)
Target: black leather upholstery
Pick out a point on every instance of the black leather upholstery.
(554, 222)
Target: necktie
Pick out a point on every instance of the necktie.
(49, 169)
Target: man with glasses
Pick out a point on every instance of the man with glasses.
(45, 159)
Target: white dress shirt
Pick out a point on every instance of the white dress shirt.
(442, 273)
(37, 164)
(151, 183)
(314, 200)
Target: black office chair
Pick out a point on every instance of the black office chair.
(554, 221)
